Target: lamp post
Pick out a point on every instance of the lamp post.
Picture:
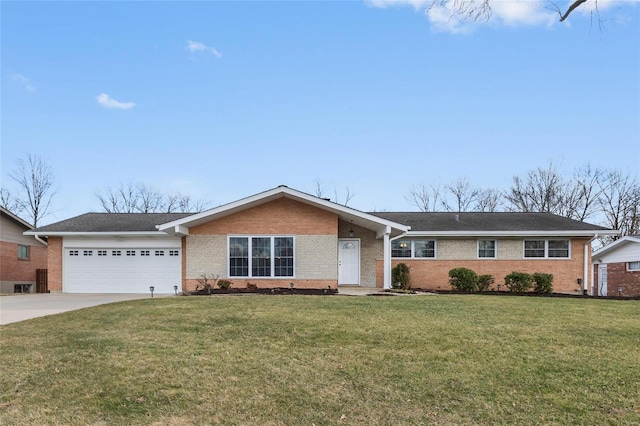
(175, 289)
(151, 288)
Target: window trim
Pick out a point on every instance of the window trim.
(412, 242)
(495, 249)
(629, 269)
(546, 248)
(20, 252)
(272, 275)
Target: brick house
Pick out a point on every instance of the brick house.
(20, 255)
(283, 236)
(616, 268)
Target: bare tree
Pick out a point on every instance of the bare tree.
(480, 10)
(10, 202)
(488, 201)
(141, 198)
(35, 180)
(464, 196)
(580, 194)
(539, 191)
(620, 202)
(427, 198)
(348, 196)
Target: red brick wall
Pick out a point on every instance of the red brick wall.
(54, 264)
(434, 274)
(14, 269)
(282, 217)
(619, 278)
(279, 217)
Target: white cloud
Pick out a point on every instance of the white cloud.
(196, 46)
(108, 102)
(443, 17)
(24, 81)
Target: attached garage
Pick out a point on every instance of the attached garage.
(122, 265)
(114, 253)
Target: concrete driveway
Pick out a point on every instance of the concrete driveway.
(26, 306)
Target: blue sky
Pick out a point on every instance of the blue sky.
(221, 100)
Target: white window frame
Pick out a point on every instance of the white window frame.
(634, 269)
(272, 275)
(495, 249)
(412, 243)
(546, 248)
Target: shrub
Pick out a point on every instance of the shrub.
(400, 277)
(204, 282)
(224, 284)
(463, 279)
(543, 283)
(518, 282)
(484, 282)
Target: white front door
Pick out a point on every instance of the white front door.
(602, 280)
(349, 262)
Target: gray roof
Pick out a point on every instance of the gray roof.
(498, 222)
(419, 222)
(112, 222)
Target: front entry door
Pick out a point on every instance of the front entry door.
(349, 262)
(602, 280)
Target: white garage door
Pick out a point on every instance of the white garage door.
(121, 270)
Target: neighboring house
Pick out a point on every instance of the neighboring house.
(20, 255)
(616, 268)
(283, 236)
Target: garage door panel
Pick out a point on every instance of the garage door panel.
(112, 273)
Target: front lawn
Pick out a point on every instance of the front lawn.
(285, 360)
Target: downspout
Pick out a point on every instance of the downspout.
(37, 237)
(387, 283)
(587, 262)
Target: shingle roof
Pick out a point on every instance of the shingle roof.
(498, 222)
(112, 222)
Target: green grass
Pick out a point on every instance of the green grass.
(288, 360)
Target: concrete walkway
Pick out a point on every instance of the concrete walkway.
(22, 307)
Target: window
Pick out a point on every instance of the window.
(23, 252)
(633, 266)
(131, 252)
(144, 252)
(173, 253)
(102, 252)
(413, 248)
(88, 252)
(73, 252)
(261, 257)
(487, 248)
(116, 253)
(159, 252)
(546, 249)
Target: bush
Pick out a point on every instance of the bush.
(463, 279)
(224, 284)
(543, 283)
(518, 282)
(400, 277)
(485, 282)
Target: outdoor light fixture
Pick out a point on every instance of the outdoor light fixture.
(151, 288)
(175, 288)
(619, 291)
(499, 287)
(404, 245)
(351, 229)
(291, 286)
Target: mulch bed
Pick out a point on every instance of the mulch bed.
(530, 294)
(276, 290)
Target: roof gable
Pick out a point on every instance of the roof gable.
(365, 220)
(14, 218)
(617, 245)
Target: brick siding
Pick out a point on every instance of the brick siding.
(620, 282)
(433, 274)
